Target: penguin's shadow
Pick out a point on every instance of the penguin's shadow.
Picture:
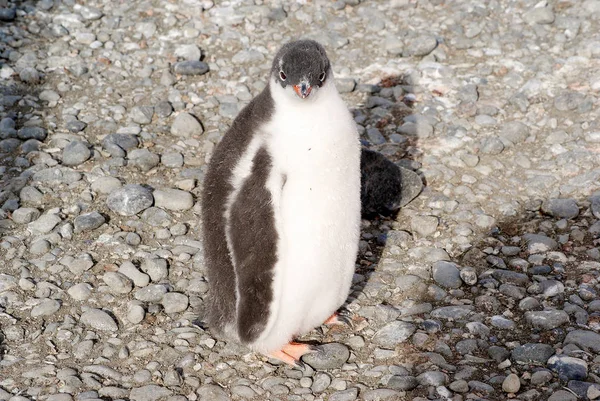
(390, 176)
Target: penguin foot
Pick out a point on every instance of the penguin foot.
(341, 317)
(292, 352)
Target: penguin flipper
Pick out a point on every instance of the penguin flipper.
(254, 249)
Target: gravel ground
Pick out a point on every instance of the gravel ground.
(483, 288)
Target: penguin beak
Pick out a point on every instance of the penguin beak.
(302, 90)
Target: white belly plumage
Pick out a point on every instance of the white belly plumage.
(315, 147)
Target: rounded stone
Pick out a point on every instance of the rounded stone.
(185, 125)
(75, 153)
(393, 334)
(117, 282)
(173, 199)
(446, 274)
(511, 384)
(105, 185)
(47, 307)
(130, 200)
(174, 302)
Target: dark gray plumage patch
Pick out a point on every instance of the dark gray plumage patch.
(301, 59)
(254, 242)
(221, 300)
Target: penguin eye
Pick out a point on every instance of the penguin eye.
(322, 77)
(282, 75)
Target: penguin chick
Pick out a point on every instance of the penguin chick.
(281, 209)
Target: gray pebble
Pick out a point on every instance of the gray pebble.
(345, 85)
(8, 14)
(47, 307)
(130, 200)
(172, 159)
(320, 382)
(185, 125)
(375, 136)
(75, 126)
(446, 274)
(532, 353)
(150, 392)
(142, 114)
(547, 320)
(211, 392)
(25, 215)
(156, 217)
(143, 159)
(174, 302)
(492, 146)
(88, 222)
(75, 153)
(44, 224)
(135, 313)
(421, 45)
(393, 334)
(328, 356)
(139, 279)
(564, 208)
(173, 199)
(156, 268)
(402, 383)
(80, 292)
(568, 367)
(106, 185)
(119, 144)
(346, 395)
(585, 339)
(152, 293)
(117, 282)
(190, 67)
(99, 320)
(30, 75)
(163, 109)
(432, 378)
(424, 225)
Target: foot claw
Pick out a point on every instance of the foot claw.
(341, 317)
(292, 352)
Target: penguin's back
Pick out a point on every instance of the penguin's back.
(227, 194)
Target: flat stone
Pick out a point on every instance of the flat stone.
(155, 267)
(547, 320)
(143, 159)
(117, 282)
(152, 293)
(563, 208)
(328, 356)
(47, 307)
(584, 339)
(173, 199)
(142, 114)
(533, 353)
(88, 222)
(106, 185)
(210, 392)
(393, 334)
(421, 45)
(190, 67)
(25, 215)
(80, 292)
(119, 144)
(44, 224)
(75, 153)
(151, 392)
(402, 383)
(568, 367)
(451, 312)
(99, 320)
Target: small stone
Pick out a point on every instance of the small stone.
(8, 14)
(163, 109)
(143, 159)
(584, 339)
(492, 146)
(139, 279)
(210, 392)
(446, 274)
(29, 75)
(174, 302)
(514, 132)
(345, 395)
(190, 67)
(432, 378)
(547, 320)
(568, 367)
(564, 208)
(393, 334)
(562, 395)
(153, 392)
(47, 307)
(75, 126)
(49, 96)
(375, 136)
(130, 200)
(39, 247)
(99, 320)
(142, 114)
(88, 222)
(25, 215)
(172, 160)
(468, 275)
(106, 185)
(173, 199)
(80, 292)
(345, 85)
(328, 356)
(38, 133)
(537, 243)
(75, 153)
(511, 384)
(540, 377)
(424, 225)
(188, 52)
(44, 224)
(539, 15)
(421, 45)
(532, 353)
(117, 282)
(320, 383)
(135, 313)
(185, 125)
(402, 383)
(156, 268)
(119, 144)
(152, 293)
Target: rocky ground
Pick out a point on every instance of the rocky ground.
(483, 288)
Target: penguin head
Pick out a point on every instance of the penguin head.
(303, 66)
